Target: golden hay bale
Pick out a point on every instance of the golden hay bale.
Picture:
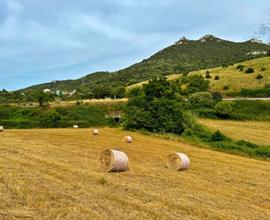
(127, 139)
(1, 128)
(178, 161)
(114, 161)
(75, 126)
(95, 132)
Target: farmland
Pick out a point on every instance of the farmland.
(253, 131)
(55, 174)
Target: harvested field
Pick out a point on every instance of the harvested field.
(55, 174)
(253, 131)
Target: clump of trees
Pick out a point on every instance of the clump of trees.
(157, 107)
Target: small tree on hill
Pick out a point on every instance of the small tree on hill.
(42, 98)
(250, 70)
(223, 109)
(200, 100)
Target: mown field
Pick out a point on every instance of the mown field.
(253, 131)
(55, 174)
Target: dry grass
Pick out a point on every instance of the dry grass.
(231, 76)
(254, 131)
(236, 80)
(54, 174)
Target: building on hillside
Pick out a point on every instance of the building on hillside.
(46, 90)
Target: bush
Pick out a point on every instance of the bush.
(226, 87)
(240, 66)
(250, 70)
(200, 100)
(223, 109)
(259, 76)
(218, 136)
(263, 69)
(217, 77)
(208, 76)
(217, 96)
(197, 83)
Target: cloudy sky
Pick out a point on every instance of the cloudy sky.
(45, 40)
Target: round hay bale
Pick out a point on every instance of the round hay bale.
(127, 139)
(1, 128)
(178, 161)
(114, 161)
(75, 126)
(95, 132)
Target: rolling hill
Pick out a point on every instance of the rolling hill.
(182, 57)
(232, 76)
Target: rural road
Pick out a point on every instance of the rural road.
(250, 99)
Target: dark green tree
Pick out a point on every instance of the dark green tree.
(197, 84)
(157, 107)
(42, 98)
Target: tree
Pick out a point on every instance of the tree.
(42, 98)
(157, 107)
(223, 109)
(250, 70)
(217, 77)
(119, 92)
(197, 84)
(217, 96)
(101, 92)
(200, 100)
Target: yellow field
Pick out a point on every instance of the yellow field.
(55, 174)
(231, 76)
(254, 131)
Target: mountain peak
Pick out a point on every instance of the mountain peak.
(182, 40)
(209, 37)
(255, 40)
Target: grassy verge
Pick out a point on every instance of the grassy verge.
(242, 110)
(201, 136)
(58, 117)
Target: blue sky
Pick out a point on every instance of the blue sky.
(45, 40)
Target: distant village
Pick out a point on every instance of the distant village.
(60, 92)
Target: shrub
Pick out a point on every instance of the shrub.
(217, 77)
(226, 87)
(218, 136)
(217, 96)
(200, 100)
(263, 69)
(240, 66)
(197, 83)
(250, 70)
(259, 76)
(208, 76)
(223, 109)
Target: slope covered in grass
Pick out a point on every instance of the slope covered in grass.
(231, 76)
(54, 173)
(236, 79)
(253, 131)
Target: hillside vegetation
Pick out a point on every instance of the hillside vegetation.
(236, 79)
(55, 174)
(182, 57)
(256, 132)
(231, 77)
